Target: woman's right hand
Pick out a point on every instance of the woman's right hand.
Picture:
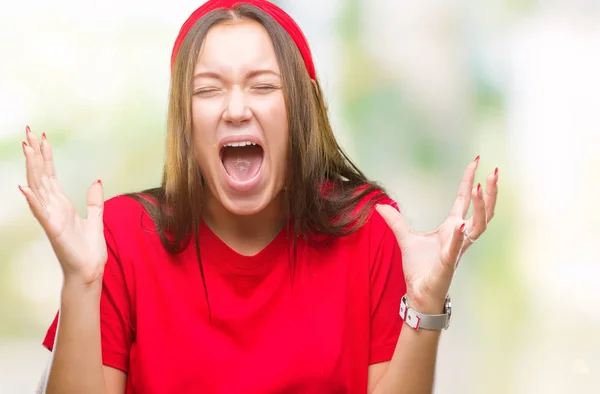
(79, 243)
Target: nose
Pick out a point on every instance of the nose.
(236, 109)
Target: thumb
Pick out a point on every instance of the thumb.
(453, 251)
(394, 220)
(95, 200)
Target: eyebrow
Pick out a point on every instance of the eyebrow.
(249, 75)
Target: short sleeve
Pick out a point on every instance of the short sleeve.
(387, 288)
(116, 315)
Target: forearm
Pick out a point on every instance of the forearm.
(412, 367)
(77, 358)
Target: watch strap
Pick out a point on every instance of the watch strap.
(417, 320)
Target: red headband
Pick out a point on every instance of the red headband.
(275, 12)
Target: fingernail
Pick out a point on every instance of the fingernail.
(24, 145)
(462, 226)
(479, 190)
(27, 129)
(21, 189)
(477, 159)
(43, 136)
(496, 171)
(99, 182)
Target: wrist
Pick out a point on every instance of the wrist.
(75, 285)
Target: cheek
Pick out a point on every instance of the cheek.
(202, 152)
(275, 124)
(203, 114)
(204, 124)
(277, 136)
(201, 156)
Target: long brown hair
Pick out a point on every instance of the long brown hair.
(323, 189)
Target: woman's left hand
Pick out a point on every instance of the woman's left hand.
(430, 259)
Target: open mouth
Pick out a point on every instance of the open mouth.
(242, 160)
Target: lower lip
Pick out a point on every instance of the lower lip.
(245, 185)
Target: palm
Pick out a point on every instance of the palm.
(430, 259)
(78, 243)
(75, 237)
(425, 258)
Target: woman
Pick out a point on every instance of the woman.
(259, 265)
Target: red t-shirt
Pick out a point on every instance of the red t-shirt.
(316, 335)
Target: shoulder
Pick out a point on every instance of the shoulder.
(375, 228)
(373, 222)
(377, 243)
(121, 205)
(125, 216)
(371, 251)
(370, 229)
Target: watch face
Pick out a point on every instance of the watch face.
(448, 310)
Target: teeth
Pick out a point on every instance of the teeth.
(240, 144)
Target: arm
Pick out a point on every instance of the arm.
(92, 331)
(76, 361)
(412, 367)
(402, 359)
(429, 262)
(81, 249)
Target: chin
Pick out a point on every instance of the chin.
(248, 204)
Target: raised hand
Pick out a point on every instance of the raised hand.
(430, 259)
(78, 243)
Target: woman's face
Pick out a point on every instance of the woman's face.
(240, 128)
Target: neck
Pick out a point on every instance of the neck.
(247, 234)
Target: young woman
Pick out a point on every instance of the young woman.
(260, 264)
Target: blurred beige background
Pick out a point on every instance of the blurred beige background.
(416, 89)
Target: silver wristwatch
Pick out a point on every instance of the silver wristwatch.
(418, 320)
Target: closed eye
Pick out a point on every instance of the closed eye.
(205, 91)
(265, 88)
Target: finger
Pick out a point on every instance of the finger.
(33, 141)
(47, 157)
(33, 161)
(394, 220)
(463, 196)
(455, 246)
(479, 223)
(32, 169)
(491, 194)
(34, 204)
(95, 201)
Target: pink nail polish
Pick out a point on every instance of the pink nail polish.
(462, 227)
(496, 171)
(477, 159)
(43, 136)
(479, 190)
(24, 145)
(27, 129)
(99, 182)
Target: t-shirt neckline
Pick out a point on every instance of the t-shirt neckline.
(215, 249)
